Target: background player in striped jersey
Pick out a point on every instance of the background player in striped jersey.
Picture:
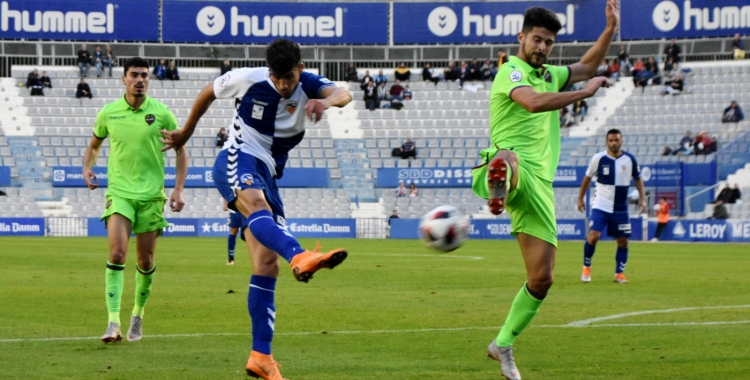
(271, 105)
(613, 169)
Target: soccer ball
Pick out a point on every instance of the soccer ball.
(657, 207)
(444, 228)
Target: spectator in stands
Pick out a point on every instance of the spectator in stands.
(34, 83)
(644, 77)
(428, 74)
(109, 59)
(367, 79)
(225, 67)
(394, 215)
(662, 217)
(97, 57)
(738, 47)
(637, 67)
(712, 146)
(383, 96)
(565, 119)
(672, 50)
(380, 78)
(502, 57)
(624, 59)
(702, 143)
(397, 92)
(488, 70)
(613, 70)
(451, 72)
(580, 108)
(172, 72)
(724, 194)
(83, 90)
(408, 149)
(670, 68)
(735, 196)
(413, 191)
(720, 210)
(463, 74)
(402, 72)
(401, 189)
(160, 70)
(221, 137)
(654, 68)
(685, 146)
(371, 96)
(475, 70)
(408, 95)
(46, 82)
(673, 87)
(601, 71)
(732, 114)
(84, 61)
(351, 73)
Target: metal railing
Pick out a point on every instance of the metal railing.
(734, 156)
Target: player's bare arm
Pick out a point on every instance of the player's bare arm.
(178, 137)
(641, 195)
(535, 102)
(582, 193)
(176, 200)
(333, 96)
(586, 67)
(89, 160)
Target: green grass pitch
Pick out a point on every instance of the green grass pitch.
(392, 310)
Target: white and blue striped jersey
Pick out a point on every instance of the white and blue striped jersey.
(613, 177)
(266, 125)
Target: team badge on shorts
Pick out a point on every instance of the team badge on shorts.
(247, 179)
(109, 203)
(150, 119)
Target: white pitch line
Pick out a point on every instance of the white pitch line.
(587, 322)
(415, 255)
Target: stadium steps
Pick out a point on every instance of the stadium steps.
(569, 145)
(32, 169)
(356, 175)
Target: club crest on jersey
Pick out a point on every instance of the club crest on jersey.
(258, 111)
(291, 106)
(624, 168)
(150, 119)
(247, 179)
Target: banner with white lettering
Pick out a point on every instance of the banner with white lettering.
(320, 228)
(21, 226)
(567, 229)
(80, 20)
(684, 18)
(424, 177)
(490, 22)
(71, 176)
(4, 176)
(694, 230)
(218, 227)
(263, 22)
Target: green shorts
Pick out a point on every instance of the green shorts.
(531, 204)
(146, 216)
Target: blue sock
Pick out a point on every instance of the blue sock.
(271, 235)
(231, 243)
(588, 253)
(262, 311)
(622, 259)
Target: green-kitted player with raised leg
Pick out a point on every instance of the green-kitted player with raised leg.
(520, 165)
(135, 195)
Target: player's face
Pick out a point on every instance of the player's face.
(614, 142)
(536, 45)
(287, 83)
(136, 81)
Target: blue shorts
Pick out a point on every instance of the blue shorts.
(252, 173)
(617, 223)
(236, 219)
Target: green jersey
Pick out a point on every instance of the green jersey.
(135, 169)
(535, 137)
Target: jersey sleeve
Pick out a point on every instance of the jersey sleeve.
(171, 123)
(636, 168)
(560, 74)
(508, 79)
(233, 84)
(312, 84)
(593, 166)
(100, 125)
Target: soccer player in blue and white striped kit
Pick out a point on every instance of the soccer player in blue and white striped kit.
(613, 169)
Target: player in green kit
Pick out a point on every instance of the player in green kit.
(135, 194)
(519, 167)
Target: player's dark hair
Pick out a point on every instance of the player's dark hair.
(614, 131)
(663, 198)
(282, 56)
(134, 62)
(541, 17)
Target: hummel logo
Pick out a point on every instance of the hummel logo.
(111, 294)
(515, 333)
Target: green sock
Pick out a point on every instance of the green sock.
(143, 280)
(521, 313)
(113, 283)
